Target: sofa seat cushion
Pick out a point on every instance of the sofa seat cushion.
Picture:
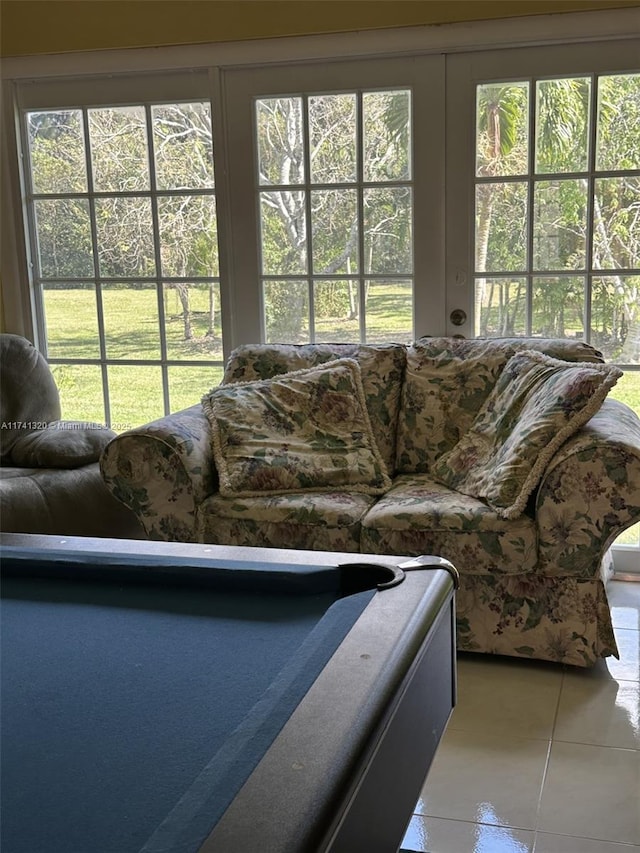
(381, 368)
(326, 521)
(50, 501)
(419, 516)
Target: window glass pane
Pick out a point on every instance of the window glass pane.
(183, 146)
(618, 129)
(388, 217)
(118, 141)
(135, 393)
(562, 120)
(627, 389)
(188, 235)
(283, 233)
(615, 318)
(192, 321)
(389, 311)
(64, 238)
(280, 146)
(334, 228)
(56, 142)
(502, 132)
(130, 314)
(616, 223)
(286, 310)
(500, 307)
(558, 307)
(332, 138)
(81, 398)
(559, 224)
(187, 385)
(72, 320)
(336, 311)
(501, 226)
(125, 237)
(386, 120)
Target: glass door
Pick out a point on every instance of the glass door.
(336, 207)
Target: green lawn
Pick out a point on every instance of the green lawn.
(131, 332)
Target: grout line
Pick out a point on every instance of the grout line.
(548, 758)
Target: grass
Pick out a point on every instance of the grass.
(131, 332)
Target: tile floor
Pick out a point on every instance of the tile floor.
(538, 758)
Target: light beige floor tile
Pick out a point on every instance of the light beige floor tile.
(546, 843)
(503, 697)
(627, 668)
(599, 711)
(592, 791)
(435, 835)
(624, 600)
(484, 778)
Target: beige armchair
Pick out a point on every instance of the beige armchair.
(50, 482)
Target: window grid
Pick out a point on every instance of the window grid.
(159, 280)
(307, 186)
(529, 273)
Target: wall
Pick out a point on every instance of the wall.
(55, 26)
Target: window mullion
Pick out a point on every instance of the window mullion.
(96, 267)
(306, 153)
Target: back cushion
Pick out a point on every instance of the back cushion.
(446, 382)
(30, 398)
(381, 367)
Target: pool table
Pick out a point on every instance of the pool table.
(182, 698)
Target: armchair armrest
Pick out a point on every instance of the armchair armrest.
(163, 471)
(590, 493)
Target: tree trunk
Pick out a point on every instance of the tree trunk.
(212, 312)
(183, 296)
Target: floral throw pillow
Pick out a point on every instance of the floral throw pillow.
(536, 404)
(303, 431)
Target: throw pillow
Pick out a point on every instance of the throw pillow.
(303, 431)
(63, 444)
(447, 381)
(537, 403)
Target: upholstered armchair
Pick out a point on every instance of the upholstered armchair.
(50, 482)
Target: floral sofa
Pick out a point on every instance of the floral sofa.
(421, 468)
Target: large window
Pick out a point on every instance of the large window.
(557, 213)
(122, 207)
(335, 192)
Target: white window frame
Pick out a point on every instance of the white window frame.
(424, 76)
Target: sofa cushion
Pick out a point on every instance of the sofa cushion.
(325, 521)
(381, 369)
(448, 380)
(420, 516)
(303, 431)
(51, 502)
(30, 398)
(64, 444)
(536, 404)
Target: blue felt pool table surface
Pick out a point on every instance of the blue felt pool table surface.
(139, 692)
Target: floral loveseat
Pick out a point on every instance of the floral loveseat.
(420, 468)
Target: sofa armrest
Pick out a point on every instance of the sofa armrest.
(590, 492)
(163, 471)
